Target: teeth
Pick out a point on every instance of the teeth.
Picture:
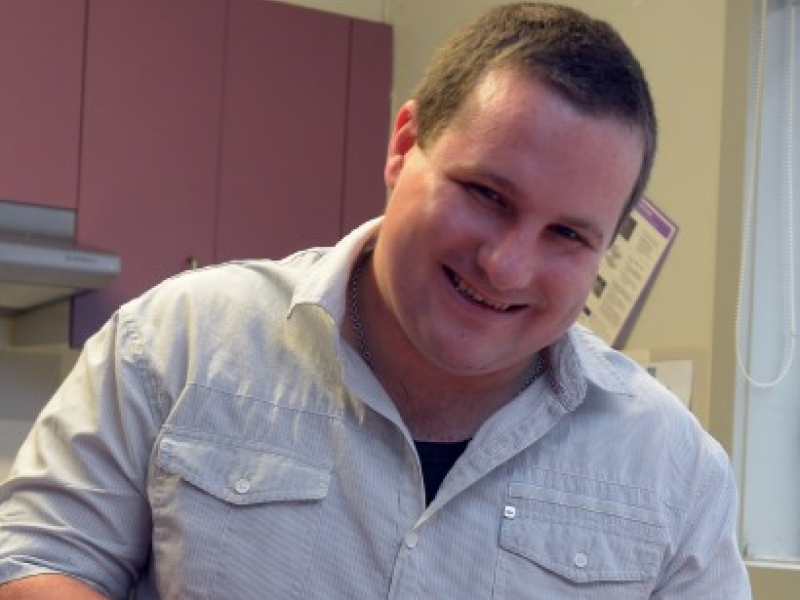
(467, 291)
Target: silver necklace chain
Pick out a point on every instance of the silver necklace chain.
(355, 317)
(358, 327)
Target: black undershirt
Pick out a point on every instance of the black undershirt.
(437, 458)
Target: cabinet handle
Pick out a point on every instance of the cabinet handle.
(192, 262)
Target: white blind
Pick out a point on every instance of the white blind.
(769, 386)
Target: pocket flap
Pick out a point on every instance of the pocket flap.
(242, 475)
(582, 538)
(579, 554)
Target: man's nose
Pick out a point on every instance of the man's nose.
(511, 260)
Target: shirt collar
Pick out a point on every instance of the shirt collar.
(326, 282)
(580, 361)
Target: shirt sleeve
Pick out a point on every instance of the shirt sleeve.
(75, 501)
(708, 563)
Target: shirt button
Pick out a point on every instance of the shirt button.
(242, 486)
(580, 560)
(509, 512)
(411, 540)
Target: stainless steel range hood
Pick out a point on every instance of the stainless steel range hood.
(40, 262)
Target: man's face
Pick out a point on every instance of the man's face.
(493, 235)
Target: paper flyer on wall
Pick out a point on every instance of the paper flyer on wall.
(627, 270)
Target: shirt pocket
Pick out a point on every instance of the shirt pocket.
(565, 545)
(227, 516)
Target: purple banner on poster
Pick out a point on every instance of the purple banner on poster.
(655, 218)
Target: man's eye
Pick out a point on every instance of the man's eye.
(567, 233)
(486, 193)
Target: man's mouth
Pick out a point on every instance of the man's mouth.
(468, 292)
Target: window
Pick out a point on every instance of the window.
(768, 394)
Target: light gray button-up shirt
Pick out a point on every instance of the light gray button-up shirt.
(219, 439)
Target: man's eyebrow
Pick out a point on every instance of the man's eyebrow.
(501, 183)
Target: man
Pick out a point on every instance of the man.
(412, 414)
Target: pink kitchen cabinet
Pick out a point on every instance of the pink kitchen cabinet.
(283, 129)
(223, 129)
(304, 130)
(41, 65)
(151, 131)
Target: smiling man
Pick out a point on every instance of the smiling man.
(413, 413)
(490, 244)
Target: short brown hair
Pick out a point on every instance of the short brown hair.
(582, 58)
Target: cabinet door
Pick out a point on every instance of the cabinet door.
(284, 126)
(368, 122)
(41, 63)
(150, 142)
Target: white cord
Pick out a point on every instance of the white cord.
(745, 267)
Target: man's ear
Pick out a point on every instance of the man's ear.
(402, 140)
